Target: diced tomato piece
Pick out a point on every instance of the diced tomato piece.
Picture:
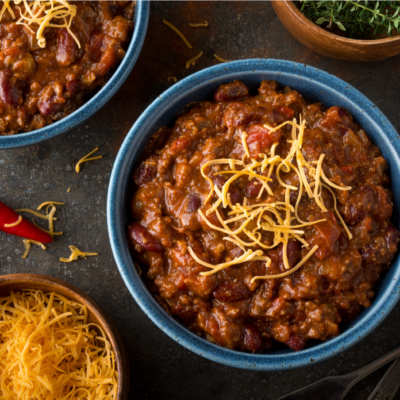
(347, 169)
(287, 112)
(325, 236)
(260, 138)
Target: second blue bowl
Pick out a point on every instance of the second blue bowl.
(141, 19)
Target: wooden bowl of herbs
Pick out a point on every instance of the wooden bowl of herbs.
(346, 30)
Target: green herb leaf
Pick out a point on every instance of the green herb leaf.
(321, 20)
(340, 25)
(362, 19)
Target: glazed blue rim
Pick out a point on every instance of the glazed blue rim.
(365, 323)
(88, 109)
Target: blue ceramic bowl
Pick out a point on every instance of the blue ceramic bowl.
(141, 19)
(314, 85)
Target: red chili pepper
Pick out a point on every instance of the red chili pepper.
(24, 229)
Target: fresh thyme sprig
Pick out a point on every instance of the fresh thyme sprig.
(359, 19)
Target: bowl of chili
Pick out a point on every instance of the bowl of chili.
(315, 85)
(61, 90)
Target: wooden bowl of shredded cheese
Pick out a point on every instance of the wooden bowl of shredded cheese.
(56, 343)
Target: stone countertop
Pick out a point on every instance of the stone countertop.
(160, 368)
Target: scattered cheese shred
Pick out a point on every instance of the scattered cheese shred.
(220, 59)
(27, 245)
(27, 210)
(85, 159)
(172, 78)
(48, 203)
(178, 32)
(19, 219)
(205, 23)
(275, 218)
(44, 230)
(69, 189)
(50, 350)
(44, 13)
(192, 61)
(75, 254)
(49, 216)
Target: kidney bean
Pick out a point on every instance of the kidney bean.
(73, 87)
(347, 119)
(231, 91)
(293, 253)
(48, 106)
(193, 203)
(296, 342)
(108, 58)
(9, 93)
(138, 234)
(66, 48)
(253, 188)
(96, 42)
(392, 236)
(146, 173)
(231, 291)
(360, 204)
(233, 191)
(252, 339)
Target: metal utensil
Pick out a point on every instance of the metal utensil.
(336, 387)
(388, 385)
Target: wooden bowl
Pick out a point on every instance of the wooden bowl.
(328, 44)
(95, 314)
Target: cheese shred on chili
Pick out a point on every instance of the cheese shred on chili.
(280, 217)
(44, 14)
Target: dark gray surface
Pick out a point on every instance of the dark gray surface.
(160, 368)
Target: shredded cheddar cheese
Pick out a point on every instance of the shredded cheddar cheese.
(18, 221)
(85, 159)
(69, 189)
(48, 203)
(192, 61)
(205, 24)
(172, 78)
(280, 218)
(45, 230)
(49, 216)
(27, 245)
(178, 32)
(75, 254)
(50, 350)
(44, 14)
(220, 59)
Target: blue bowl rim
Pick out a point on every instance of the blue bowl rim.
(141, 19)
(379, 309)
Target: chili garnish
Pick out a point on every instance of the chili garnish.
(24, 228)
